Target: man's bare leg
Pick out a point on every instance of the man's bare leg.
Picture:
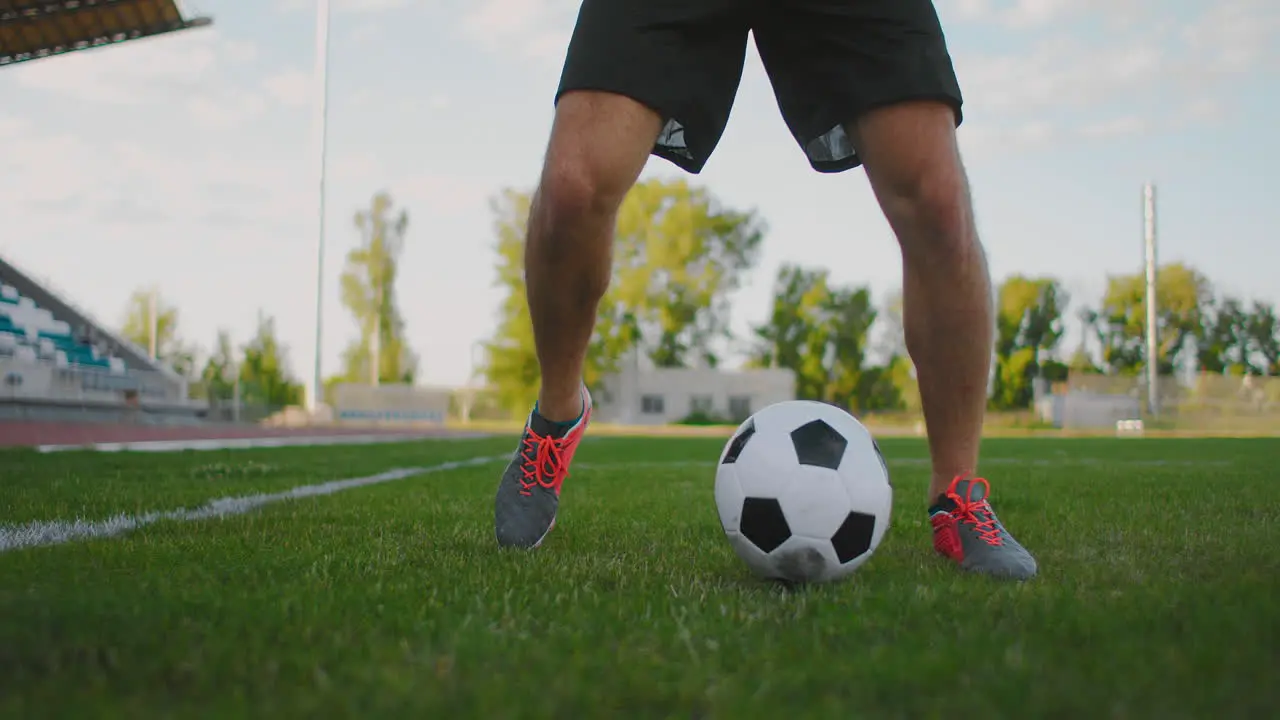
(914, 166)
(599, 144)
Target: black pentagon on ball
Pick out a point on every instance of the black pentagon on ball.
(763, 523)
(819, 444)
(738, 443)
(854, 536)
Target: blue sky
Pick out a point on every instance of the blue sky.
(187, 162)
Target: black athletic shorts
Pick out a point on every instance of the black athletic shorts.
(829, 61)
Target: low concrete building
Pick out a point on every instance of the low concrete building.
(658, 396)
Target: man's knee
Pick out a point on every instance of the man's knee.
(934, 203)
(572, 193)
(599, 144)
(914, 164)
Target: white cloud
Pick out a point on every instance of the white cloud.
(1039, 12)
(290, 87)
(1059, 73)
(351, 6)
(195, 69)
(536, 29)
(443, 195)
(108, 208)
(132, 72)
(99, 175)
(1031, 14)
(433, 194)
(225, 109)
(968, 9)
(11, 127)
(1095, 81)
(1236, 36)
(1123, 125)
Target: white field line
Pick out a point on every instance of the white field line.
(252, 442)
(1056, 462)
(57, 532)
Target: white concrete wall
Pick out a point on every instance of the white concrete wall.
(657, 396)
(389, 404)
(1090, 410)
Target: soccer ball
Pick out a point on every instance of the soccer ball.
(803, 492)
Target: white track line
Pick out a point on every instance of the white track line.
(57, 532)
(250, 442)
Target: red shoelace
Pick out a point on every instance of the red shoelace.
(543, 462)
(977, 513)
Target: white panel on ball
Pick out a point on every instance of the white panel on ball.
(816, 503)
(729, 498)
(772, 464)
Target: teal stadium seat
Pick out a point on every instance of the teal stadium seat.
(17, 318)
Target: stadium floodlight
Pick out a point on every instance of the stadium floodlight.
(1153, 346)
(315, 388)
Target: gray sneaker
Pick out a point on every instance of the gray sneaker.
(524, 510)
(966, 530)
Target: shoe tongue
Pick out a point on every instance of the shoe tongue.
(547, 428)
(975, 492)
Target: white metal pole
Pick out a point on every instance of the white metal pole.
(375, 350)
(153, 325)
(1153, 359)
(321, 132)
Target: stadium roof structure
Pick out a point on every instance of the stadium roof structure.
(36, 29)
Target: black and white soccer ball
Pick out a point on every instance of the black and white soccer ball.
(803, 492)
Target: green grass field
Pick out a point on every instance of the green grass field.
(1159, 592)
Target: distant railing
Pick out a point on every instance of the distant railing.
(1202, 401)
(43, 380)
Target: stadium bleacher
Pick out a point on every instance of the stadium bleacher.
(32, 334)
(58, 362)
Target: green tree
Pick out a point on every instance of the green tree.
(678, 254)
(511, 364)
(220, 369)
(170, 348)
(1263, 333)
(820, 333)
(880, 389)
(1182, 296)
(1028, 327)
(1054, 370)
(1222, 340)
(264, 374)
(368, 291)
